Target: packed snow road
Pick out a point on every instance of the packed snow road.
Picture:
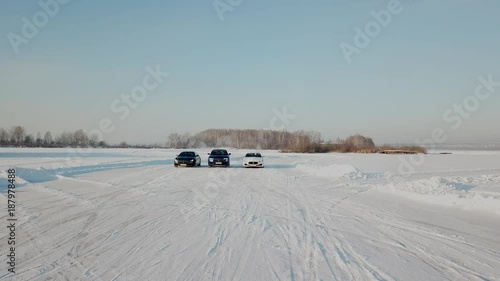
(130, 215)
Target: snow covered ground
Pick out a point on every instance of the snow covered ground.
(130, 215)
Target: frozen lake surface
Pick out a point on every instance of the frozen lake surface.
(128, 214)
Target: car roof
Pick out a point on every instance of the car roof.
(219, 152)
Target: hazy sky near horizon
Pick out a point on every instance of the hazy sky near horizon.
(263, 56)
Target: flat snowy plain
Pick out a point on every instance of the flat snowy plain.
(130, 215)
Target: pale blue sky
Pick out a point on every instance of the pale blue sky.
(263, 55)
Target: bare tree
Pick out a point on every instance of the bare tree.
(4, 136)
(29, 140)
(47, 139)
(102, 144)
(66, 139)
(359, 141)
(93, 140)
(18, 134)
(185, 140)
(80, 138)
(38, 140)
(174, 140)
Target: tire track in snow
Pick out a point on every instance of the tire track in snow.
(83, 243)
(442, 261)
(220, 228)
(47, 266)
(240, 217)
(346, 258)
(251, 242)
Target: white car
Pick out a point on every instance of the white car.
(253, 160)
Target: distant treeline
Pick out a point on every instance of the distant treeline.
(298, 141)
(17, 136)
(285, 141)
(248, 139)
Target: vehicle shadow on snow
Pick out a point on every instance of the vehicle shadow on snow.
(266, 166)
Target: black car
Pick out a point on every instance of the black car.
(187, 158)
(218, 157)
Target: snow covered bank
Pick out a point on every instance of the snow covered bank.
(450, 192)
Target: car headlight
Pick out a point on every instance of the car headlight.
(210, 160)
(175, 160)
(191, 160)
(226, 159)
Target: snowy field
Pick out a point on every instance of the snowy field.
(130, 215)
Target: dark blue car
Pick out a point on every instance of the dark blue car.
(219, 158)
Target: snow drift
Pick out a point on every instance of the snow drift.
(445, 191)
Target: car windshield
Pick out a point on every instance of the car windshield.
(218, 152)
(253, 155)
(186, 154)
